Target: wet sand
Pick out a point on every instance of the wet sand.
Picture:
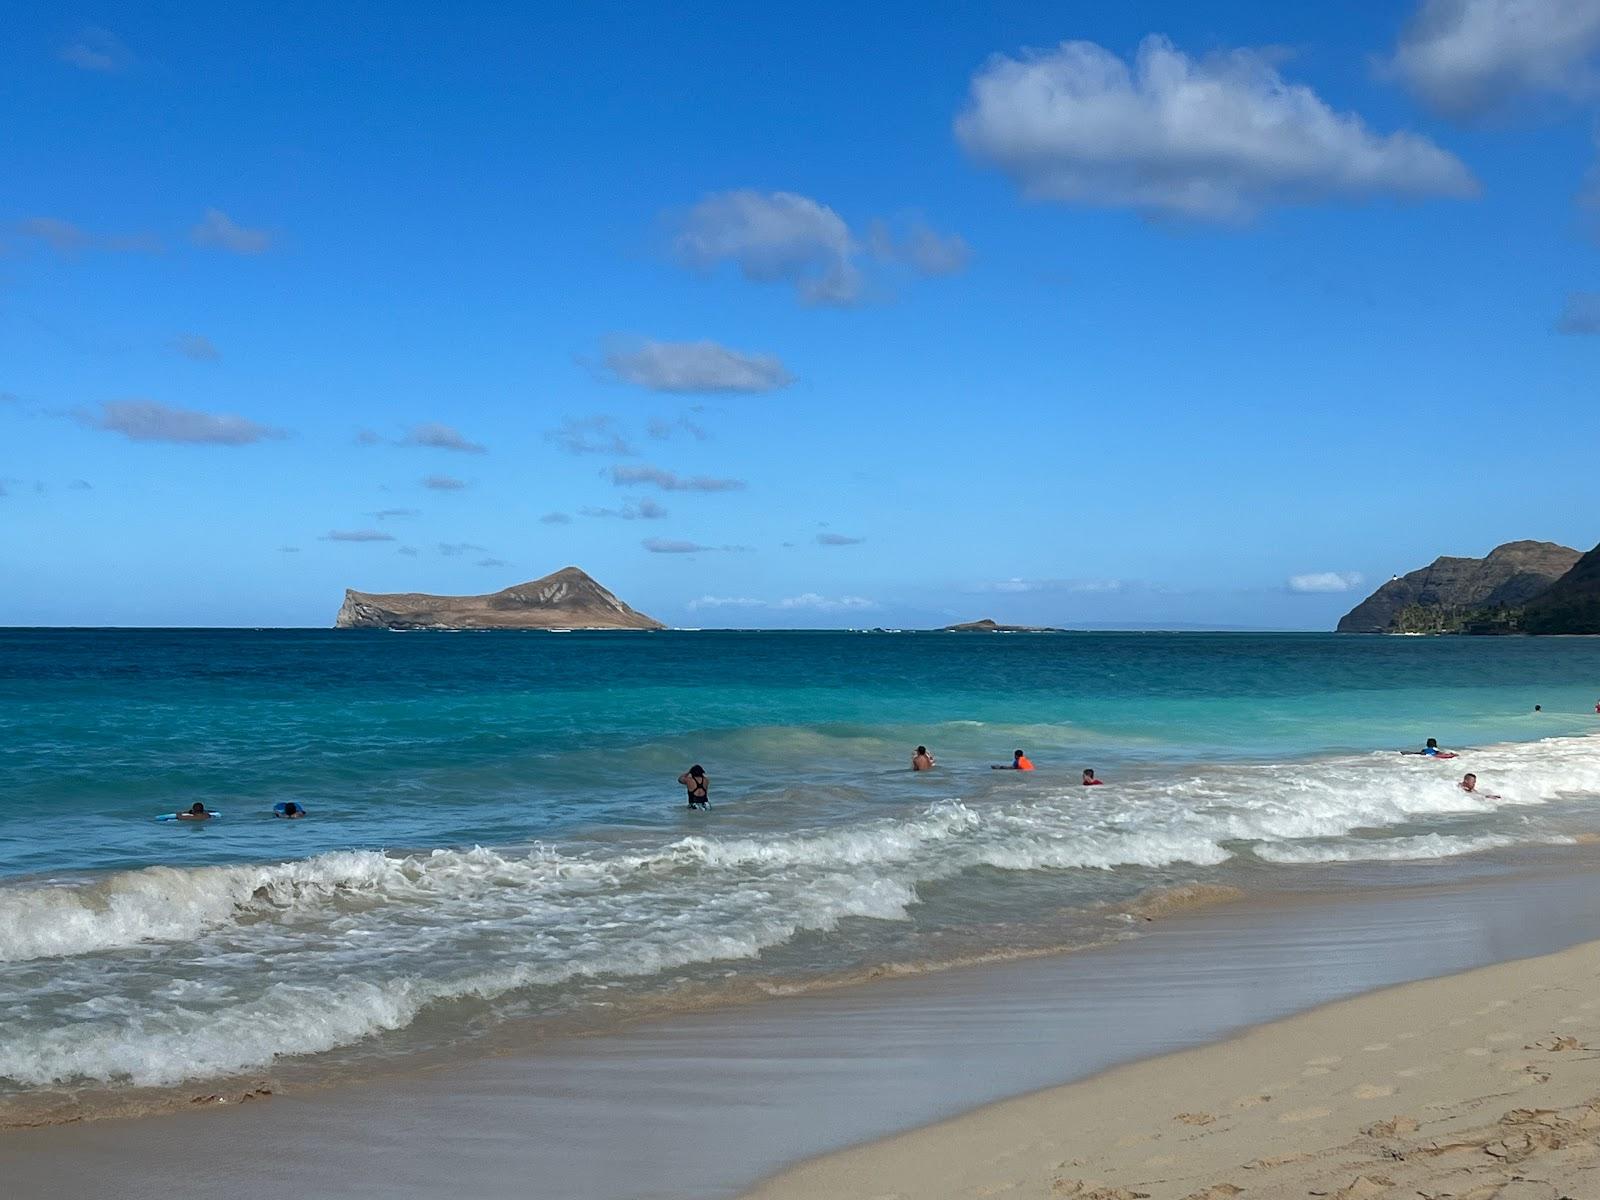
(708, 1103)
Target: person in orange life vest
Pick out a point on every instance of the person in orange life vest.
(1019, 762)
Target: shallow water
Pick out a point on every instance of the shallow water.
(497, 840)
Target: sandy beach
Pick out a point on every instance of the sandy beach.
(1479, 1086)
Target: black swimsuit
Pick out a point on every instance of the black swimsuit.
(697, 795)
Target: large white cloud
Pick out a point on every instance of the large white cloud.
(703, 366)
(1468, 57)
(1215, 138)
(1315, 582)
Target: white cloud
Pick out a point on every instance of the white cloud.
(218, 231)
(196, 346)
(1324, 581)
(663, 430)
(357, 535)
(1016, 586)
(590, 435)
(1580, 313)
(97, 49)
(1466, 58)
(677, 546)
(556, 518)
(806, 601)
(493, 562)
(443, 483)
(387, 514)
(148, 421)
(782, 237)
(456, 549)
(1217, 138)
(645, 510)
(65, 238)
(920, 247)
(838, 539)
(703, 366)
(440, 437)
(671, 481)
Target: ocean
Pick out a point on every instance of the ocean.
(498, 849)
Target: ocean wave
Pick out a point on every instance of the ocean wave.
(362, 942)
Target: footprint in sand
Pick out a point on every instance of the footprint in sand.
(1372, 1091)
(1404, 1037)
(1312, 1072)
(1251, 1101)
(1376, 1047)
(1304, 1114)
(1195, 1118)
(1329, 1060)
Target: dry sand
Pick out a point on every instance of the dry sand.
(1476, 1086)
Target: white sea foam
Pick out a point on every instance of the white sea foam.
(358, 943)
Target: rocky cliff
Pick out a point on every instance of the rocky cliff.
(1569, 605)
(568, 599)
(1455, 595)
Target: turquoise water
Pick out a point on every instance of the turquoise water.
(497, 835)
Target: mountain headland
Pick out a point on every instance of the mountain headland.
(1493, 594)
(567, 599)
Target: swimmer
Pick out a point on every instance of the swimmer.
(1089, 780)
(1538, 708)
(195, 812)
(699, 786)
(1469, 783)
(289, 811)
(1019, 762)
(1431, 750)
(922, 760)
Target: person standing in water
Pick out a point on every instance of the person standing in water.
(699, 786)
(922, 760)
(1019, 762)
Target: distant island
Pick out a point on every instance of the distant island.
(567, 599)
(988, 626)
(1520, 587)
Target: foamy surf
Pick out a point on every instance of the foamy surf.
(164, 975)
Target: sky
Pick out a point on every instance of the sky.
(1094, 314)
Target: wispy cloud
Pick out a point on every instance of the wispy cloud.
(493, 562)
(784, 237)
(196, 346)
(838, 539)
(645, 510)
(1469, 58)
(97, 49)
(1324, 581)
(590, 435)
(218, 231)
(65, 238)
(671, 481)
(919, 246)
(1016, 586)
(408, 551)
(288, 549)
(703, 366)
(443, 483)
(806, 601)
(1580, 314)
(389, 514)
(1215, 138)
(368, 437)
(676, 546)
(80, 485)
(555, 518)
(435, 436)
(149, 421)
(357, 535)
(661, 429)
(456, 549)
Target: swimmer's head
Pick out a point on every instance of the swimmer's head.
(922, 749)
(1433, 743)
(197, 809)
(697, 771)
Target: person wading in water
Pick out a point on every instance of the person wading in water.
(699, 786)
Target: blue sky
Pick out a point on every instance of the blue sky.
(1113, 314)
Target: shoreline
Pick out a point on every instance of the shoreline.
(1498, 1101)
(796, 1077)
